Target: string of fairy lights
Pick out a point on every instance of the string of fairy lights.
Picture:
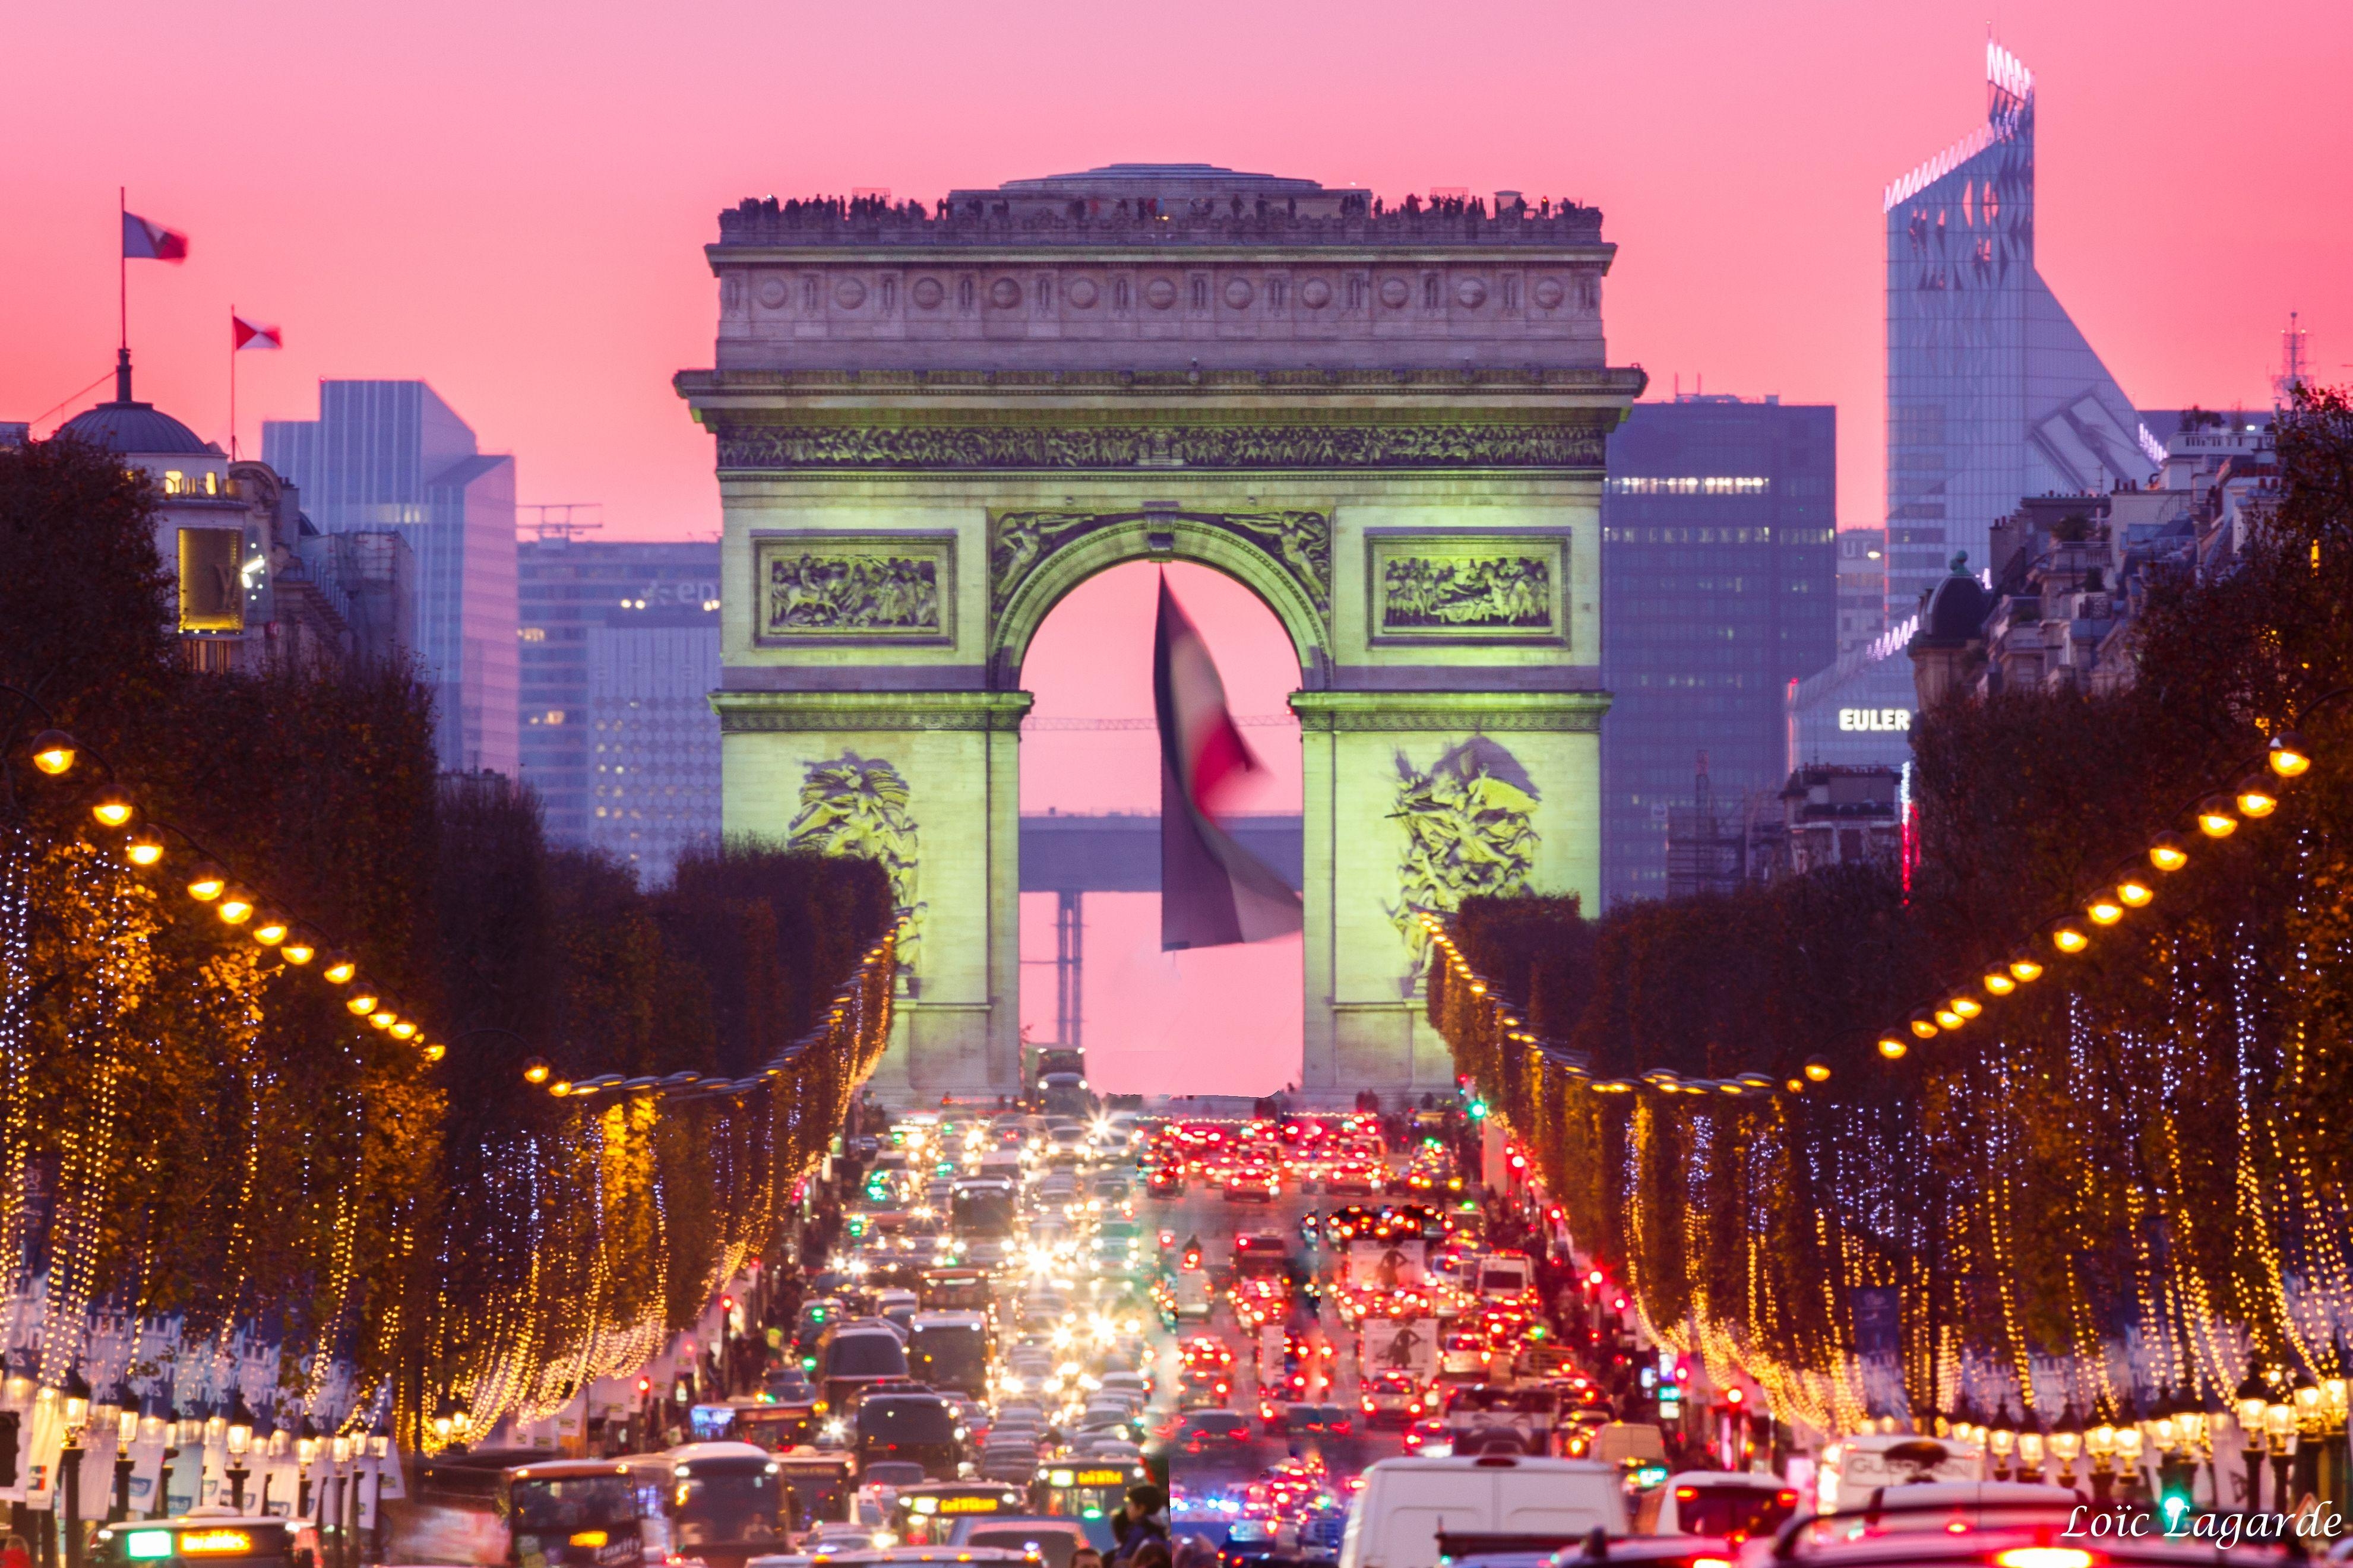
(2199, 1330)
(298, 944)
(519, 1354)
(2217, 815)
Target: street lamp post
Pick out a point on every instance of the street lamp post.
(2067, 1442)
(2333, 1404)
(2002, 1440)
(2310, 1418)
(2030, 1448)
(2248, 1407)
(76, 1411)
(2279, 1425)
(238, 1439)
(126, 1432)
(2100, 1442)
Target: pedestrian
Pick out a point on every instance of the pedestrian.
(16, 1554)
(1086, 1557)
(1142, 1522)
(1152, 1554)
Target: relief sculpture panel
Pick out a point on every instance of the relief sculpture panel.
(1427, 588)
(818, 587)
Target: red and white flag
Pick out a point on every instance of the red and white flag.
(244, 334)
(145, 241)
(1212, 891)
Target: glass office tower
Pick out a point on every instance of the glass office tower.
(1993, 395)
(1718, 589)
(620, 653)
(390, 454)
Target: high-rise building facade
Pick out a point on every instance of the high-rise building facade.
(1861, 586)
(620, 652)
(1992, 392)
(391, 454)
(1718, 590)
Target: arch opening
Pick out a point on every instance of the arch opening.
(1226, 1020)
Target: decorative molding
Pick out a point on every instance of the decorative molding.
(1391, 383)
(1426, 588)
(1299, 542)
(1469, 444)
(816, 587)
(1453, 712)
(851, 713)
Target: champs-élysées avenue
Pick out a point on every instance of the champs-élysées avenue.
(1256, 786)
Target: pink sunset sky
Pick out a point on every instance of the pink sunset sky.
(509, 200)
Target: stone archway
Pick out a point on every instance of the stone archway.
(1389, 429)
(1037, 556)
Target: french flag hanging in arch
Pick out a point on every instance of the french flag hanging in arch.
(1212, 891)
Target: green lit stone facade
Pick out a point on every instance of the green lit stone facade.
(1413, 493)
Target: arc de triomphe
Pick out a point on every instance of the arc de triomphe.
(932, 425)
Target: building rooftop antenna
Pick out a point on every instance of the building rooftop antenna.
(2296, 362)
(560, 518)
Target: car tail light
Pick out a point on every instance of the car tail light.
(2044, 1557)
(1710, 1562)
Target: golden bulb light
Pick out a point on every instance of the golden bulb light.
(1795, 1085)
(2135, 892)
(2105, 910)
(207, 884)
(1997, 983)
(1967, 1006)
(111, 809)
(298, 952)
(1892, 1048)
(1922, 1024)
(536, 1070)
(2214, 818)
(382, 1018)
(1948, 1019)
(362, 1003)
(339, 971)
(234, 909)
(2168, 852)
(560, 1088)
(2254, 798)
(403, 1030)
(54, 752)
(270, 931)
(436, 1051)
(2024, 967)
(2288, 756)
(1818, 1069)
(2069, 937)
(144, 849)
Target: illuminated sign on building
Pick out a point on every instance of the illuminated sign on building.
(1875, 719)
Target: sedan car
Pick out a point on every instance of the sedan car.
(1209, 1431)
(1253, 1183)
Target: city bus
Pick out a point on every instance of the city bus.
(1089, 1492)
(520, 1509)
(926, 1515)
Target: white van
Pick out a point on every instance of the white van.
(1406, 1502)
(1853, 1468)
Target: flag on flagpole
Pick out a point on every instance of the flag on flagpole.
(1212, 891)
(145, 241)
(244, 334)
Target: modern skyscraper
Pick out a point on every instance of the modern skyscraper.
(1717, 591)
(620, 652)
(1861, 586)
(1992, 393)
(390, 454)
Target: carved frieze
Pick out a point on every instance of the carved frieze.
(1452, 588)
(1471, 443)
(817, 586)
(1300, 541)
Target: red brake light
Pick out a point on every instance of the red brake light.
(1709, 1562)
(2044, 1557)
(1685, 1494)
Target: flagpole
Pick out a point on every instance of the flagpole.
(232, 381)
(123, 261)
